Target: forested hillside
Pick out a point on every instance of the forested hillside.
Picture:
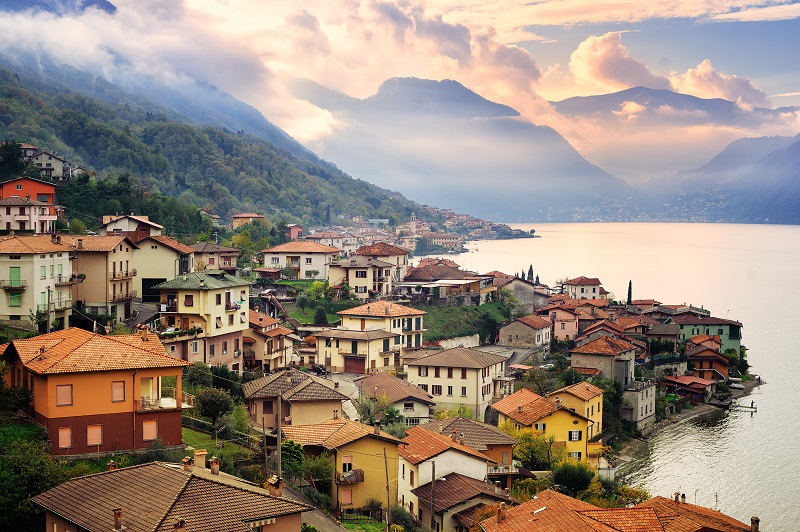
(226, 171)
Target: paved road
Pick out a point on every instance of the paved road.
(319, 519)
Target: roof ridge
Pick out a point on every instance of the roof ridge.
(177, 496)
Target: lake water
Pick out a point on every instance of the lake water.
(741, 463)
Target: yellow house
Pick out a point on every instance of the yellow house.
(525, 408)
(583, 398)
(398, 319)
(95, 393)
(363, 458)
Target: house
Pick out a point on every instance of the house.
(413, 403)
(327, 238)
(216, 257)
(455, 494)
(428, 453)
(585, 288)
(461, 377)
(208, 311)
(246, 218)
(708, 363)
(729, 331)
(583, 398)
(134, 227)
(294, 231)
(395, 255)
(443, 279)
(29, 188)
(159, 496)
(531, 332)
(361, 454)
(639, 404)
(304, 260)
(272, 344)
(564, 320)
(50, 165)
(525, 408)
(527, 293)
(23, 215)
(96, 393)
(214, 218)
(159, 259)
(695, 388)
(108, 264)
(612, 356)
(305, 399)
(368, 278)
(487, 439)
(37, 280)
(550, 510)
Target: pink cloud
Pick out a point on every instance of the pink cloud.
(706, 82)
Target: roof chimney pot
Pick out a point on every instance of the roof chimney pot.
(214, 465)
(180, 525)
(754, 524)
(118, 520)
(683, 498)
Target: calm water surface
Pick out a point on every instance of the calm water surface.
(744, 464)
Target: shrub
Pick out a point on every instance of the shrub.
(320, 316)
(319, 500)
(573, 476)
(399, 516)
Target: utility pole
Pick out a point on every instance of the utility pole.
(433, 491)
(278, 456)
(388, 498)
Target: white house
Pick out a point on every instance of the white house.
(306, 260)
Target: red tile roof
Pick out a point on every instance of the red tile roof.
(97, 243)
(170, 243)
(30, 244)
(300, 246)
(534, 321)
(581, 390)
(583, 281)
(454, 489)
(381, 249)
(394, 389)
(605, 345)
(381, 308)
(421, 445)
(477, 434)
(261, 320)
(525, 407)
(333, 433)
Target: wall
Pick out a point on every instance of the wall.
(367, 454)
(463, 341)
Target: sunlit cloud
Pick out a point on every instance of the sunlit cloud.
(761, 13)
(706, 82)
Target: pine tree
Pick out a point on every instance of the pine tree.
(530, 272)
(630, 292)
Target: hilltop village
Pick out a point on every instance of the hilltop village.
(325, 379)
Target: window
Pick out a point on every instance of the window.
(94, 435)
(385, 361)
(505, 457)
(188, 300)
(225, 348)
(424, 387)
(275, 260)
(347, 496)
(268, 405)
(450, 391)
(540, 426)
(563, 325)
(402, 471)
(230, 319)
(64, 395)
(436, 390)
(219, 322)
(64, 437)
(43, 272)
(576, 456)
(463, 373)
(149, 430)
(308, 260)
(347, 463)
(361, 289)
(413, 421)
(574, 435)
(449, 373)
(117, 391)
(14, 299)
(423, 371)
(19, 187)
(219, 299)
(361, 274)
(463, 391)
(436, 372)
(408, 406)
(411, 478)
(211, 350)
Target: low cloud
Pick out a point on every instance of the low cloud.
(706, 82)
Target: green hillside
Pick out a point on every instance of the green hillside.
(223, 170)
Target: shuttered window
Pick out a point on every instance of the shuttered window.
(94, 435)
(64, 437)
(149, 430)
(117, 391)
(64, 395)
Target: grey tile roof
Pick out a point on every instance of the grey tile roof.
(294, 385)
(477, 434)
(207, 280)
(459, 357)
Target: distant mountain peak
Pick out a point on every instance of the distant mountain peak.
(59, 7)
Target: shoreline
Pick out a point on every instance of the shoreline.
(631, 447)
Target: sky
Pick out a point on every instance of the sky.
(520, 53)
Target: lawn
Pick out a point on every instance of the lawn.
(366, 526)
(227, 452)
(11, 432)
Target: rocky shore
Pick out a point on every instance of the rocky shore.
(631, 447)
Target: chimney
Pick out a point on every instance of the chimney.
(497, 488)
(461, 438)
(112, 466)
(118, 520)
(80, 243)
(335, 414)
(519, 408)
(179, 526)
(453, 435)
(200, 457)
(336, 385)
(214, 465)
(675, 496)
(58, 239)
(188, 463)
(144, 330)
(377, 428)
(275, 484)
(683, 498)
(754, 524)
(501, 513)
(53, 238)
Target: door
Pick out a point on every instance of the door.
(14, 277)
(353, 365)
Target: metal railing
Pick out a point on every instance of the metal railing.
(64, 280)
(14, 284)
(122, 274)
(123, 296)
(58, 304)
(501, 469)
(351, 477)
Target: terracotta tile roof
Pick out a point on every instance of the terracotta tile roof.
(430, 261)
(207, 280)
(626, 519)
(459, 357)
(466, 517)
(274, 332)
(454, 489)
(22, 202)
(210, 247)
(293, 385)
(97, 243)
(645, 302)
(77, 351)
(248, 215)
(381, 249)
(434, 272)
(588, 371)
(171, 243)
(333, 433)
(581, 390)
(605, 345)
(548, 511)
(421, 445)
(301, 247)
(382, 308)
(31, 244)
(604, 324)
(259, 320)
(360, 261)
(534, 321)
(477, 434)
(700, 338)
(155, 495)
(691, 319)
(583, 281)
(628, 322)
(323, 234)
(142, 219)
(525, 407)
(700, 516)
(394, 389)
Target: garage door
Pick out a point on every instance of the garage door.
(353, 365)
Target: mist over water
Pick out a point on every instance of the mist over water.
(741, 463)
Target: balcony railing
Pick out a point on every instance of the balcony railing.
(501, 469)
(349, 353)
(65, 280)
(122, 274)
(123, 296)
(351, 477)
(169, 307)
(14, 284)
(231, 306)
(165, 402)
(58, 304)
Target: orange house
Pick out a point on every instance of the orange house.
(708, 363)
(95, 393)
(28, 187)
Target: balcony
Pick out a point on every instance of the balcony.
(66, 280)
(123, 296)
(231, 306)
(169, 306)
(349, 353)
(502, 470)
(14, 284)
(167, 401)
(58, 304)
(122, 274)
(351, 477)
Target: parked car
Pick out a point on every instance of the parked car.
(319, 370)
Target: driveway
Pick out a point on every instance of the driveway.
(316, 517)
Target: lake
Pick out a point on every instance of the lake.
(740, 463)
